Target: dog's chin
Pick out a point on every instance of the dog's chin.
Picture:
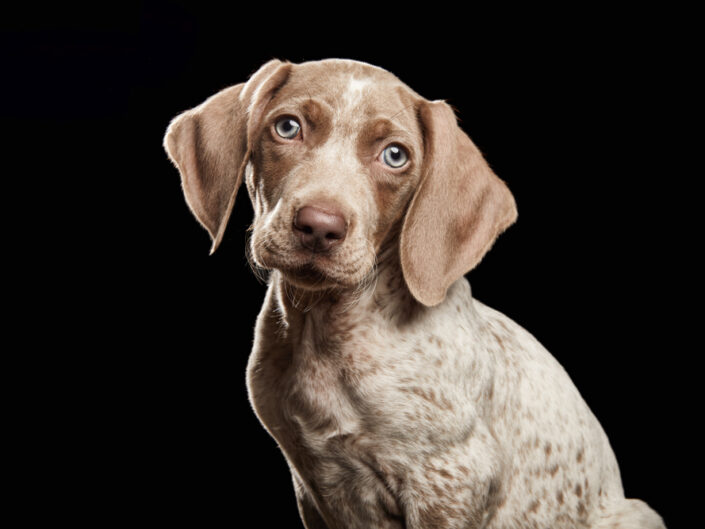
(308, 277)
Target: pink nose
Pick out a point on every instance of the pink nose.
(319, 230)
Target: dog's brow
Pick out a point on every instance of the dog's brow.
(300, 103)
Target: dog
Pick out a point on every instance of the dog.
(397, 399)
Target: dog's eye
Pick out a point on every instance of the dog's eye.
(287, 128)
(395, 156)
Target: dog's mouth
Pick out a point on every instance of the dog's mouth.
(307, 269)
(304, 269)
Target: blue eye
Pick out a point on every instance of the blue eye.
(287, 128)
(395, 156)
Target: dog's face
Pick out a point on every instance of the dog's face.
(335, 158)
(339, 157)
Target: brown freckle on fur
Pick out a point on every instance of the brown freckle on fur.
(582, 511)
(581, 454)
(499, 341)
(445, 403)
(559, 497)
(432, 516)
(578, 490)
(463, 469)
(547, 449)
(438, 490)
(534, 506)
(495, 495)
(553, 470)
(443, 472)
(490, 391)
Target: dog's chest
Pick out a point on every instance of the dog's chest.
(337, 402)
(342, 379)
(364, 408)
(386, 387)
(358, 372)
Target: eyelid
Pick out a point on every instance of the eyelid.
(394, 140)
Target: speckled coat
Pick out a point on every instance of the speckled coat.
(398, 400)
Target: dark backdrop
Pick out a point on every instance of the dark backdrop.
(144, 413)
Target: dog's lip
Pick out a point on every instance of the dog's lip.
(300, 261)
(304, 268)
(302, 264)
(308, 274)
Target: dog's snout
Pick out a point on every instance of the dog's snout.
(319, 230)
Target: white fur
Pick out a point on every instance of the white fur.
(354, 92)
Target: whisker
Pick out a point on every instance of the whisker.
(402, 110)
(260, 273)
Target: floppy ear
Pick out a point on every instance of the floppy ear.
(459, 208)
(208, 145)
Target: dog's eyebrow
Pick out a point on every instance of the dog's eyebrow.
(312, 108)
(381, 128)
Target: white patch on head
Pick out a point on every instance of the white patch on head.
(353, 92)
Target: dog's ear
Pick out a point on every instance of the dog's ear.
(209, 145)
(459, 208)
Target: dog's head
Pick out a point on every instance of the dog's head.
(338, 157)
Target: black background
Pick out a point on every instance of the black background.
(134, 362)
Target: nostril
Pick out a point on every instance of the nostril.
(319, 229)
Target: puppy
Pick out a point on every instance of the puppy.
(397, 399)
